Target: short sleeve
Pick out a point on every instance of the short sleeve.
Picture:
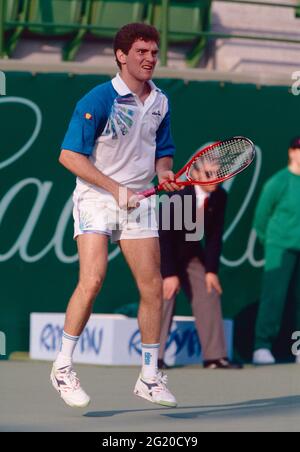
(87, 122)
(164, 142)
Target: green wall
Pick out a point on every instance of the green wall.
(38, 264)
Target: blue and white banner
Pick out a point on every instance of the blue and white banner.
(116, 340)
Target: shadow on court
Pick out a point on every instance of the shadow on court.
(264, 407)
(259, 407)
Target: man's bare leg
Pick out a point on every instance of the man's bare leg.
(143, 257)
(92, 249)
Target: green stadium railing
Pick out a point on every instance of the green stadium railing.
(71, 48)
(165, 25)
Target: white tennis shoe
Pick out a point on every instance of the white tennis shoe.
(67, 384)
(155, 390)
(262, 357)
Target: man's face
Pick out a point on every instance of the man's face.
(295, 156)
(140, 61)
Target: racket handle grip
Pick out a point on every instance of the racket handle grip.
(149, 192)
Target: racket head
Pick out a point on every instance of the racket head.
(220, 161)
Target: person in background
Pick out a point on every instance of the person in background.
(277, 224)
(194, 266)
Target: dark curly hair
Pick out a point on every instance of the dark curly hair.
(130, 33)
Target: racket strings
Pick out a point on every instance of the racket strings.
(221, 161)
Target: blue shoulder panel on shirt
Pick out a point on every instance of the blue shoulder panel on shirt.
(89, 119)
(164, 142)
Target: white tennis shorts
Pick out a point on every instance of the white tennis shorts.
(99, 213)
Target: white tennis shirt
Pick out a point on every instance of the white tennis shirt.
(120, 135)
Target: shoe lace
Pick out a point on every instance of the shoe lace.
(162, 380)
(70, 377)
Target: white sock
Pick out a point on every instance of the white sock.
(150, 357)
(68, 345)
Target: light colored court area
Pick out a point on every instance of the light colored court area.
(254, 399)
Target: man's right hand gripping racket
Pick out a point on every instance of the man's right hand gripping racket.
(214, 164)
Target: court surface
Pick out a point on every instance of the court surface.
(253, 399)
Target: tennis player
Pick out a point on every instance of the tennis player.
(118, 139)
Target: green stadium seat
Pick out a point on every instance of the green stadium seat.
(107, 16)
(60, 18)
(186, 19)
(61, 14)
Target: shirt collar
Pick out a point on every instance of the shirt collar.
(200, 192)
(201, 196)
(123, 90)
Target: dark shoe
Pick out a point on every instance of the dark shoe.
(162, 365)
(222, 363)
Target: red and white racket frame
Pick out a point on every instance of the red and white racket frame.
(186, 167)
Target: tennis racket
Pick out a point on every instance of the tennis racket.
(214, 164)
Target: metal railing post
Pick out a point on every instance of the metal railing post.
(164, 33)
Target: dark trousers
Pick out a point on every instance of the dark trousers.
(206, 310)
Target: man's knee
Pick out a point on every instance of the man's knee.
(152, 284)
(91, 286)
